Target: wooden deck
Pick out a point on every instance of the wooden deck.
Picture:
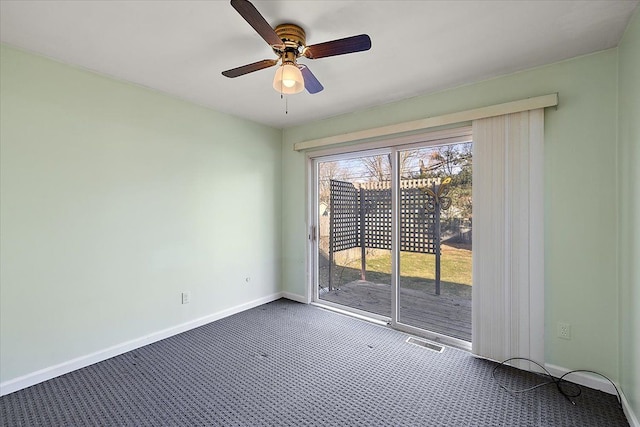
(446, 314)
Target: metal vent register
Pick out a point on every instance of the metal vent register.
(426, 344)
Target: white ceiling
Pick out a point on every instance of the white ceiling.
(181, 47)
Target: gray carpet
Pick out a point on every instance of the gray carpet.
(289, 364)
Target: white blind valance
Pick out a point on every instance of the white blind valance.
(432, 122)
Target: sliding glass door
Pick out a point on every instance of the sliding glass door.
(434, 262)
(354, 232)
(393, 235)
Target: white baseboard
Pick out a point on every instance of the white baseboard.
(628, 411)
(45, 374)
(295, 297)
(598, 383)
(588, 380)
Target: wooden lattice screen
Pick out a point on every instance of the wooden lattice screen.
(351, 207)
(344, 227)
(376, 205)
(417, 230)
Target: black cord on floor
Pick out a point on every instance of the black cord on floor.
(561, 383)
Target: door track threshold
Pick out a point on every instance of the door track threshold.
(351, 314)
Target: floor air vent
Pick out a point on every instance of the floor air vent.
(426, 344)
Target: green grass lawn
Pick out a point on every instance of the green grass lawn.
(417, 271)
(455, 265)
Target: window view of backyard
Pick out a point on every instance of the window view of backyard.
(435, 215)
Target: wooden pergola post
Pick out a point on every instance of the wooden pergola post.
(440, 201)
(437, 244)
(363, 249)
(331, 225)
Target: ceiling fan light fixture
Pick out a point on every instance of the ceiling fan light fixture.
(288, 42)
(288, 79)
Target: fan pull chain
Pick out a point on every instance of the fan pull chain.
(286, 103)
(286, 100)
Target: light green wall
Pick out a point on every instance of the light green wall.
(115, 199)
(580, 196)
(629, 210)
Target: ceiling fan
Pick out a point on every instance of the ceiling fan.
(288, 42)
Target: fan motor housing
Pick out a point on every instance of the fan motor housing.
(292, 35)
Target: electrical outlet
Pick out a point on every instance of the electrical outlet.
(186, 297)
(564, 330)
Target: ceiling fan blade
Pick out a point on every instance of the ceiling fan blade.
(250, 68)
(338, 47)
(311, 84)
(257, 21)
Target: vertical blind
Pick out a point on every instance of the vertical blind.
(508, 264)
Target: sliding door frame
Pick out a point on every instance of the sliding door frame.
(314, 229)
(392, 146)
(395, 245)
